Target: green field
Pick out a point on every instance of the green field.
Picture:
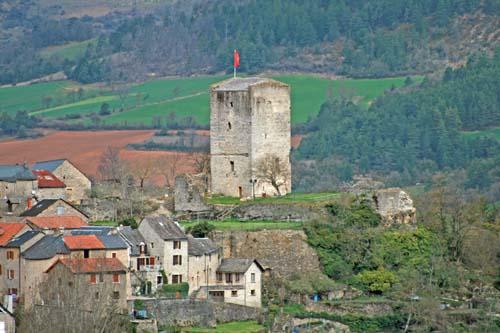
(69, 51)
(137, 104)
(492, 132)
(228, 225)
(231, 327)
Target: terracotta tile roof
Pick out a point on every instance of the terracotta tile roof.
(57, 222)
(8, 231)
(82, 242)
(47, 179)
(91, 265)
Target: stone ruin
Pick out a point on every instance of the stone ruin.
(189, 193)
(394, 206)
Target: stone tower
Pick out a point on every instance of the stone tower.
(250, 117)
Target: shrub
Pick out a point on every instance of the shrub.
(201, 229)
(378, 281)
(171, 290)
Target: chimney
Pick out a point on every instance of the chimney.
(29, 203)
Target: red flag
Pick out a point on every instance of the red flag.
(236, 59)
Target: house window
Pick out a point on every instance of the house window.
(252, 278)
(116, 294)
(229, 125)
(177, 260)
(232, 165)
(12, 291)
(86, 253)
(252, 292)
(101, 278)
(234, 293)
(96, 295)
(140, 262)
(116, 278)
(142, 248)
(93, 279)
(159, 279)
(177, 245)
(176, 279)
(152, 245)
(219, 277)
(10, 255)
(113, 255)
(229, 278)
(11, 274)
(237, 277)
(0, 269)
(60, 210)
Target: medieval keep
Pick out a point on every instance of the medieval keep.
(250, 119)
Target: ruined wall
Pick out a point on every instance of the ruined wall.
(284, 251)
(189, 193)
(394, 206)
(197, 312)
(277, 212)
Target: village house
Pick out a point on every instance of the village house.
(10, 270)
(54, 207)
(78, 185)
(238, 281)
(17, 187)
(49, 186)
(204, 258)
(98, 243)
(169, 244)
(89, 279)
(143, 266)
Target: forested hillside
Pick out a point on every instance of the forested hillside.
(357, 38)
(411, 134)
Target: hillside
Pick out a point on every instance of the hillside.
(102, 40)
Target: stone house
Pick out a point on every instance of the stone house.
(143, 266)
(204, 258)
(54, 207)
(77, 244)
(9, 257)
(249, 119)
(78, 185)
(17, 187)
(169, 244)
(101, 279)
(7, 321)
(238, 281)
(49, 186)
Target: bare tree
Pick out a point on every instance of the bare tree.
(273, 170)
(201, 163)
(143, 169)
(111, 166)
(168, 166)
(67, 303)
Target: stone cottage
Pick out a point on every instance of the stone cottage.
(17, 188)
(54, 207)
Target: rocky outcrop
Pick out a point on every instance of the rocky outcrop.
(394, 206)
(322, 325)
(285, 252)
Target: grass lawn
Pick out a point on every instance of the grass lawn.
(104, 223)
(185, 96)
(289, 198)
(71, 51)
(235, 326)
(249, 225)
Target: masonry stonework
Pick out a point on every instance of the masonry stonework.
(250, 117)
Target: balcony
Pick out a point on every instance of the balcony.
(150, 268)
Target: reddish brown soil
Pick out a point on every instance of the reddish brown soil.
(83, 148)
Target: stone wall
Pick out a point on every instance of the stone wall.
(284, 251)
(100, 209)
(189, 193)
(203, 313)
(277, 212)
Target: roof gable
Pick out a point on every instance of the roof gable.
(47, 179)
(56, 222)
(18, 241)
(48, 165)
(46, 248)
(15, 172)
(237, 265)
(46, 203)
(83, 242)
(200, 246)
(91, 265)
(166, 229)
(9, 231)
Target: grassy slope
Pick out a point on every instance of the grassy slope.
(235, 326)
(249, 225)
(291, 198)
(71, 51)
(186, 96)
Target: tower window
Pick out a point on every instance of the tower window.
(232, 165)
(229, 125)
(231, 103)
